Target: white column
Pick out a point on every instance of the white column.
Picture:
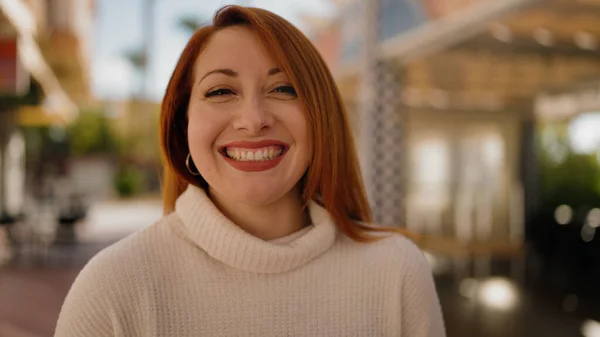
(367, 90)
(380, 126)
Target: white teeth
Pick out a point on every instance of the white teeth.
(262, 154)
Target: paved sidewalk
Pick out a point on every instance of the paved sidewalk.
(32, 290)
(30, 300)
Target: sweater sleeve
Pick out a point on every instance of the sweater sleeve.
(86, 310)
(421, 310)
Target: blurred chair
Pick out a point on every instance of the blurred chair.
(36, 232)
(6, 251)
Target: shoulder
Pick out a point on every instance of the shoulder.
(394, 243)
(131, 259)
(410, 259)
(391, 251)
(111, 282)
(403, 248)
(142, 248)
(420, 310)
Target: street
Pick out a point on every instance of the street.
(32, 287)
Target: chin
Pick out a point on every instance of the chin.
(259, 195)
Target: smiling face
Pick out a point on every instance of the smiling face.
(247, 131)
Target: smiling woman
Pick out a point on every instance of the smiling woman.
(266, 229)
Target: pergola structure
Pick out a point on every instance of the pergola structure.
(445, 112)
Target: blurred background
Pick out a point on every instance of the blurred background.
(477, 123)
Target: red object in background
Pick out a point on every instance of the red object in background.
(9, 63)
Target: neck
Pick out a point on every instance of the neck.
(266, 222)
(199, 220)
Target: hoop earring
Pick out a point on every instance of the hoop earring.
(187, 164)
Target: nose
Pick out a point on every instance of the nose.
(252, 116)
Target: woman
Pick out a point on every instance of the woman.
(265, 232)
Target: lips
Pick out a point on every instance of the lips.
(254, 156)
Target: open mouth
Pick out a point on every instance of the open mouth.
(254, 155)
(261, 154)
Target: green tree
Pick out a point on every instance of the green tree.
(138, 59)
(567, 177)
(91, 133)
(190, 24)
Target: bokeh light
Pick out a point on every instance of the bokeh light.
(468, 288)
(593, 218)
(498, 293)
(563, 214)
(590, 328)
(588, 233)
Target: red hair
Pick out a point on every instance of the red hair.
(333, 178)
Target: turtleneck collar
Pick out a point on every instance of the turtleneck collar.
(213, 232)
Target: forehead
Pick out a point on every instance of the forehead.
(234, 47)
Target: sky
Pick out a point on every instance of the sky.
(119, 28)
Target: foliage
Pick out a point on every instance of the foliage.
(91, 133)
(128, 181)
(139, 137)
(567, 177)
(191, 24)
(137, 58)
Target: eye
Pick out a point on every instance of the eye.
(218, 93)
(286, 91)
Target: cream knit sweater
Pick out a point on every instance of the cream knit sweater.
(195, 273)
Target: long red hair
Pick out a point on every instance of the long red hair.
(333, 178)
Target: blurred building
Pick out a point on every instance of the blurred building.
(66, 42)
(128, 137)
(136, 121)
(44, 77)
(445, 96)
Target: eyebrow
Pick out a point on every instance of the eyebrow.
(232, 73)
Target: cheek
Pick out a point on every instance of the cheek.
(202, 133)
(300, 131)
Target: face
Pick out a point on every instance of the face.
(247, 130)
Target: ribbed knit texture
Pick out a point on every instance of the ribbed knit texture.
(195, 273)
